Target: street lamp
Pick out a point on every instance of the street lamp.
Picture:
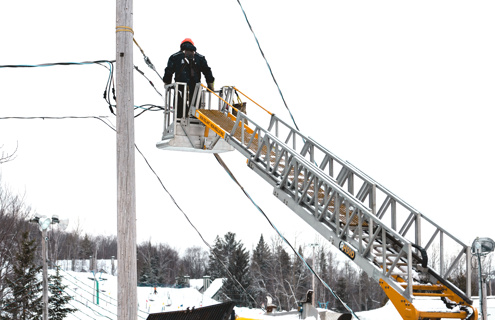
(482, 247)
(313, 279)
(44, 223)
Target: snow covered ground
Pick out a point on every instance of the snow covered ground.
(81, 286)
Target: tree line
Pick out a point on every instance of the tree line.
(270, 270)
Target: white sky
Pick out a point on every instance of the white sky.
(403, 90)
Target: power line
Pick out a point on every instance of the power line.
(245, 192)
(89, 301)
(79, 310)
(94, 311)
(109, 87)
(268, 65)
(194, 227)
(222, 163)
(78, 286)
(186, 216)
(163, 186)
(151, 83)
(102, 299)
(55, 64)
(74, 315)
(54, 117)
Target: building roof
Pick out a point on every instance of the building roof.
(219, 311)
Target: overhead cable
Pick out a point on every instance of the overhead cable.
(268, 65)
(147, 59)
(224, 165)
(163, 186)
(194, 227)
(109, 91)
(55, 64)
(91, 288)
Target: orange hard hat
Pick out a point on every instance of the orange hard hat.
(187, 40)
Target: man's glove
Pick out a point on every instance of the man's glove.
(165, 84)
(211, 86)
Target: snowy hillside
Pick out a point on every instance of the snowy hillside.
(81, 287)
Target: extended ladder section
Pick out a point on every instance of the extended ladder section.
(381, 233)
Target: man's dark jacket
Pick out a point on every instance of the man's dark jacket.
(179, 65)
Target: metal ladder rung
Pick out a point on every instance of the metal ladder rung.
(426, 287)
(443, 315)
(430, 294)
(390, 262)
(399, 274)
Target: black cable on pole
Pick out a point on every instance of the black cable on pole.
(109, 87)
(55, 64)
(54, 118)
(147, 59)
(151, 83)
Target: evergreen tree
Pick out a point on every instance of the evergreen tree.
(239, 268)
(144, 277)
(216, 265)
(24, 300)
(235, 257)
(261, 270)
(58, 298)
(155, 277)
(86, 248)
(261, 256)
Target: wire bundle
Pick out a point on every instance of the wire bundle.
(109, 92)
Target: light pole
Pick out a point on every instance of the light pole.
(44, 223)
(313, 279)
(482, 247)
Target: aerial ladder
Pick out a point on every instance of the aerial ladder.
(385, 236)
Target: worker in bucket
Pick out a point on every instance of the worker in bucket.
(187, 65)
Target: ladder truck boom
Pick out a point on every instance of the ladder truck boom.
(376, 229)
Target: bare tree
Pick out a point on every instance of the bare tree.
(195, 262)
(6, 157)
(13, 217)
(107, 246)
(168, 263)
(434, 257)
(157, 264)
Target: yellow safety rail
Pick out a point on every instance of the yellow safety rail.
(217, 128)
(252, 101)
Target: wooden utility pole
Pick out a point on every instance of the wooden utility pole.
(126, 176)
